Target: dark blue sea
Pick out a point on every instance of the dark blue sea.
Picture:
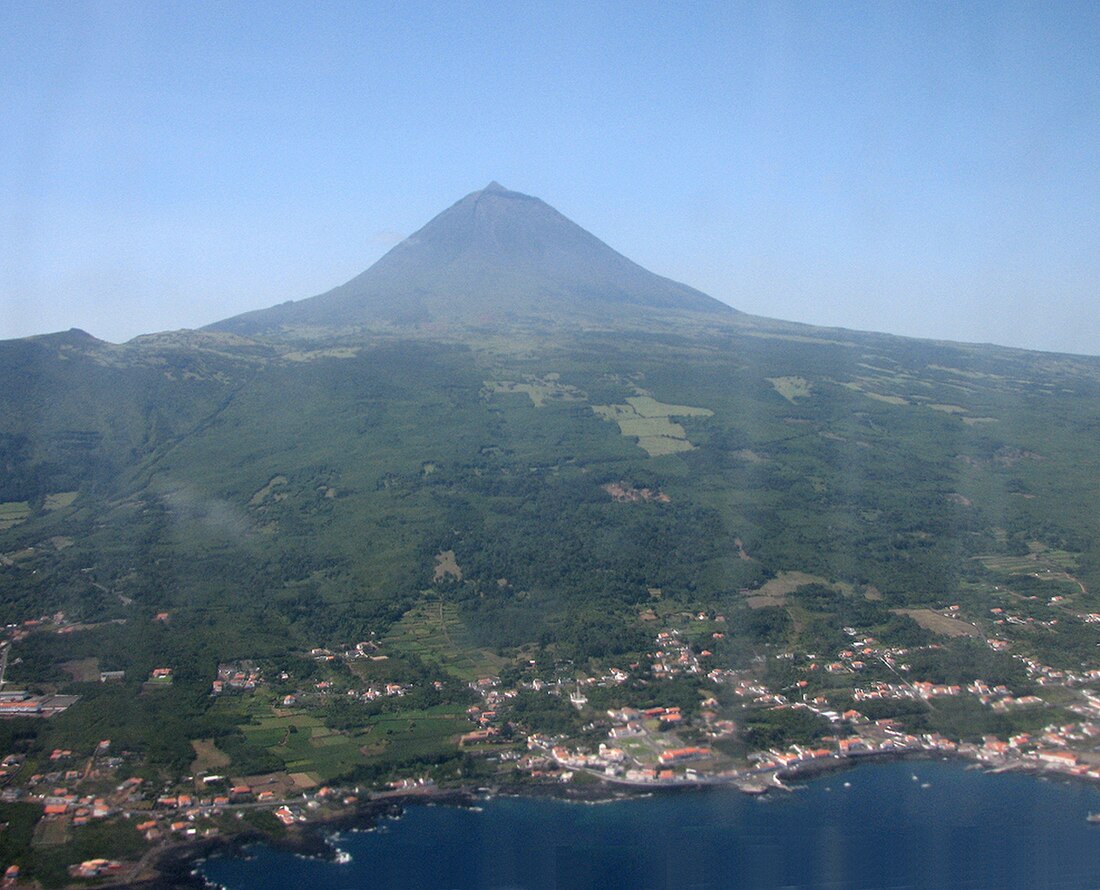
(873, 827)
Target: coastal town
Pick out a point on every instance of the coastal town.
(680, 742)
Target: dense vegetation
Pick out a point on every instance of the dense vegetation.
(272, 504)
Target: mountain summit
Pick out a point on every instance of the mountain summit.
(494, 255)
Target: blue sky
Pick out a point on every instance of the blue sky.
(919, 168)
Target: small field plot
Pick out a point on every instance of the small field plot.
(446, 567)
(208, 759)
(397, 737)
(774, 592)
(12, 513)
(1041, 563)
(791, 388)
(433, 632)
(647, 420)
(59, 500)
(305, 745)
(83, 670)
(939, 623)
(539, 389)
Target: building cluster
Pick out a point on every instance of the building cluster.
(95, 868)
(237, 676)
(21, 703)
(674, 656)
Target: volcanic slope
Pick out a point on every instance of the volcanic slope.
(273, 488)
(495, 256)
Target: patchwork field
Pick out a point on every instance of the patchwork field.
(306, 746)
(539, 389)
(1042, 564)
(648, 421)
(432, 631)
(1034, 562)
(12, 513)
(396, 737)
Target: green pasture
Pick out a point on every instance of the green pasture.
(304, 744)
(433, 632)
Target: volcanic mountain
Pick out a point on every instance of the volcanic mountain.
(496, 255)
(507, 451)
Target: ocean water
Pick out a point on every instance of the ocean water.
(915, 824)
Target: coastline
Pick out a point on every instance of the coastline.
(174, 866)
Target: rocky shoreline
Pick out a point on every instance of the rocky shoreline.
(173, 867)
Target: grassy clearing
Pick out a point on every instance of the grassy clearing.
(51, 833)
(791, 388)
(83, 670)
(539, 389)
(12, 513)
(647, 406)
(656, 446)
(59, 500)
(262, 495)
(631, 424)
(774, 592)
(315, 354)
(208, 759)
(941, 624)
(446, 566)
(647, 420)
(889, 400)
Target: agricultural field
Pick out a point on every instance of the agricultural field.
(413, 734)
(305, 745)
(302, 743)
(434, 633)
(12, 513)
(774, 592)
(540, 390)
(792, 388)
(647, 420)
(939, 623)
(208, 758)
(59, 500)
(446, 567)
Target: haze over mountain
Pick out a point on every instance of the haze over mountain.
(494, 255)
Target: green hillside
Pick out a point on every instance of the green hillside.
(534, 500)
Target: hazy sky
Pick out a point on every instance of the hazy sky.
(919, 168)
